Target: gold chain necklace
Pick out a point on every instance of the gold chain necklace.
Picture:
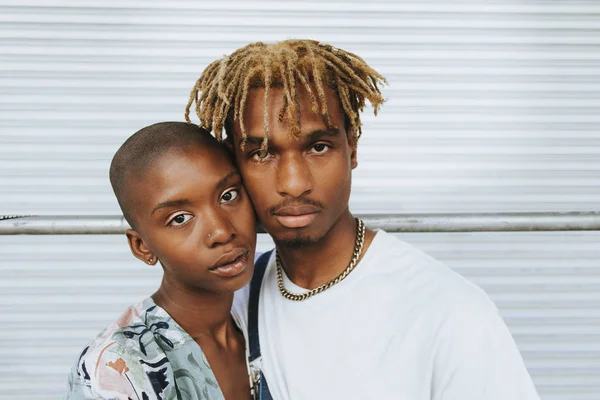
(358, 248)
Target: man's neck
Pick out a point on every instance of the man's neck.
(203, 315)
(313, 265)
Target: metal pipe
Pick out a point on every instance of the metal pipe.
(481, 222)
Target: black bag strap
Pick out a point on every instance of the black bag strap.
(259, 272)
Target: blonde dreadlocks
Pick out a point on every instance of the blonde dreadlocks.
(221, 92)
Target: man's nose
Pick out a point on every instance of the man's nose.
(294, 178)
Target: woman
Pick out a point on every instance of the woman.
(188, 210)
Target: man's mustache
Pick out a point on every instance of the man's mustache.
(295, 203)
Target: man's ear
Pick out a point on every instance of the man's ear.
(353, 156)
(138, 247)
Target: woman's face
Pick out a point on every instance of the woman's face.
(193, 214)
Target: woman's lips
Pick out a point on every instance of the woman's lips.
(236, 266)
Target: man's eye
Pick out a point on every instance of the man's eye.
(258, 156)
(229, 195)
(320, 148)
(180, 219)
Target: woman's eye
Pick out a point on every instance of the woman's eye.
(180, 219)
(229, 195)
(320, 148)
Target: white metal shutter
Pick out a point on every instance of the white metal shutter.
(493, 106)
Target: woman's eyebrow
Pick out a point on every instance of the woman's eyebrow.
(170, 203)
(225, 180)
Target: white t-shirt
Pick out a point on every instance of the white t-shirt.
(401, 326)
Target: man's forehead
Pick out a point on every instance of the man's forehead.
(277, 95)
(309, 131)
(256, 112)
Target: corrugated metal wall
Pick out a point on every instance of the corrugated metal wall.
(493, 106)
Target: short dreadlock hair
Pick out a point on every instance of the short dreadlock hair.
(221, 92)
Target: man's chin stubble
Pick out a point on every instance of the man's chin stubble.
(297, 242)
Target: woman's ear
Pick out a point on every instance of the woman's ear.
(138, 247)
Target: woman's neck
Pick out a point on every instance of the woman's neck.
(203, 315)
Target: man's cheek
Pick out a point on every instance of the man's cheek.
(258, 200)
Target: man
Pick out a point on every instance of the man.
(344, 312)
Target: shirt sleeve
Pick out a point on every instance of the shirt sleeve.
(108, 373)
(482, 362)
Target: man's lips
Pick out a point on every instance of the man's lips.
(296, 210)
(296, 216)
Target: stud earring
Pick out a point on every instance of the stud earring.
(150, 261)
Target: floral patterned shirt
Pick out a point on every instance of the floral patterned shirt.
(143, 355)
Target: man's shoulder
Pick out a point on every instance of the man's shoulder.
(421, 276)
(390, 253)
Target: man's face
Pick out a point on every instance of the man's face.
(301, 188)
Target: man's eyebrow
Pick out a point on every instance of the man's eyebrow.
(254, 140)
(311, 137)
(170, 203)
(322, 133)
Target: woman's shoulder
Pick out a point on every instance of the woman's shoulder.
(115, 333)
(112, 364)
(142, 354)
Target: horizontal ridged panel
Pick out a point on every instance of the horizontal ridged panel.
(492, 106)
(71, 286)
